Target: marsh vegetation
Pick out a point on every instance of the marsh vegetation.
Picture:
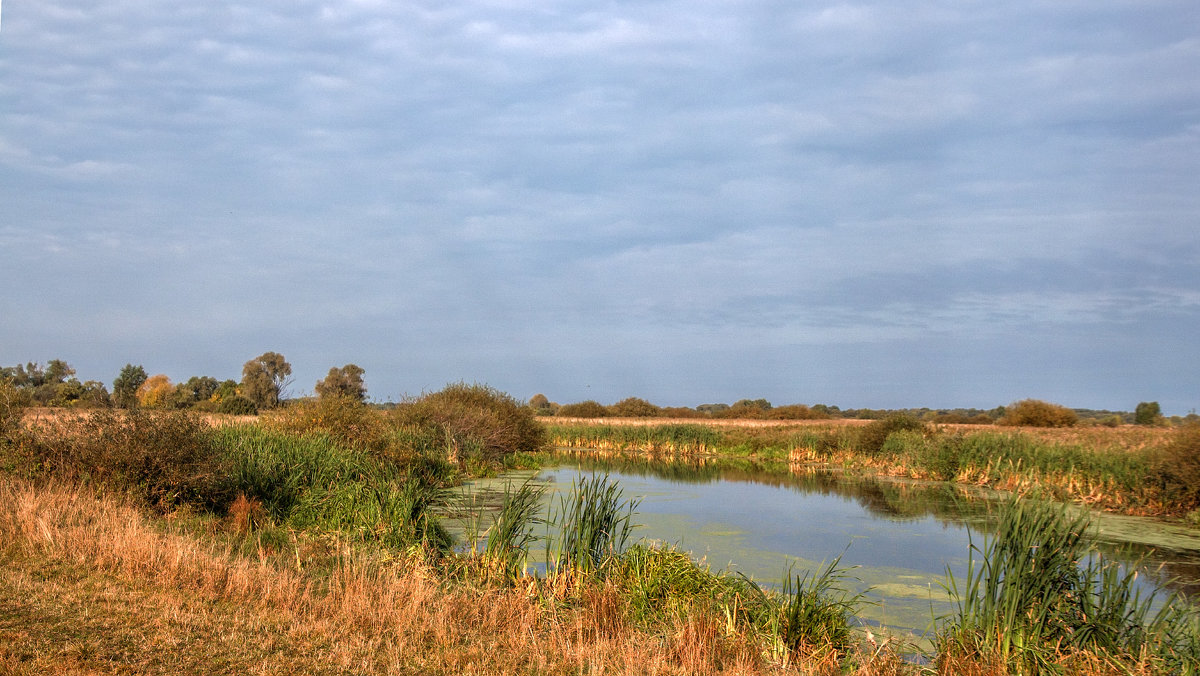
(315, 528)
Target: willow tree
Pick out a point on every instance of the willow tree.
(264, 379)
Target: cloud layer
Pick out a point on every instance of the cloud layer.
(863, 204)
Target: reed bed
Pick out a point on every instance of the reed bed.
(1037, 596)
(675, 439)
(1132, 470)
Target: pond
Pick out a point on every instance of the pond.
(900, 535)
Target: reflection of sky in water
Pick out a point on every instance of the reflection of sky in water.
(791, 523)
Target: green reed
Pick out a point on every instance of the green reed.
(1037, 589)
(594, 523)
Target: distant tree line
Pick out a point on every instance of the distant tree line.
(263, 386)
(266, 378)
(1028, 412)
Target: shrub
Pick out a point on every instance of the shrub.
(344, 419)
(165, 459)
(634, 408)
(796, 412)
(1178, 468)
(1037, 413)
(871, 438)
(1147, 413)
(475, 417)
(583, 409)
(237, 405)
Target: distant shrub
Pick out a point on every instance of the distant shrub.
(476, 417)
(1147, 413)
(164, 458)
(872, 437)
(796, 412)
(344, 419)
(583, 409)
(1037, 413)
(1178, 468)
(634, 408)
(237, 405)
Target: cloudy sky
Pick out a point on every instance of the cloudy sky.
(872, 204)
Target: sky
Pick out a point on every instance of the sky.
(872, 204)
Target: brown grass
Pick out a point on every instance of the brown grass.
(93, 585)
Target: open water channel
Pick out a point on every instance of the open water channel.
(901, 536)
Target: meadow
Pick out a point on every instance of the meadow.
(305, 541)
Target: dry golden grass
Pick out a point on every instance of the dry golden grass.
(91, 585)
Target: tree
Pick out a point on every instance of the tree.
(346, 381)
(1147, 413)
(155, 392)
(57, 372)
(265, 378)
(125, 387)
(194, 391)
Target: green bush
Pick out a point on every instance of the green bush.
(872, 437)
(164, 458)
(583, 409)
(1037, 413)
(237, 405)
(474, 419)
(12, 411)
(634, 408)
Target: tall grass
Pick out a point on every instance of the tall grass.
(312, 482)
(813, 612)
(511, 531)
(1036, 592)
(652, 438)
(593, 523)
(1019, 461)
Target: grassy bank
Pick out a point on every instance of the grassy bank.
(1132, 470)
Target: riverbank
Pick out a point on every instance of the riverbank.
(1123, 469)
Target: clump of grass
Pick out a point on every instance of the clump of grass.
(1036, 592)
(511, 532)
(594, 523)
(673, 438)
(814, 611)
